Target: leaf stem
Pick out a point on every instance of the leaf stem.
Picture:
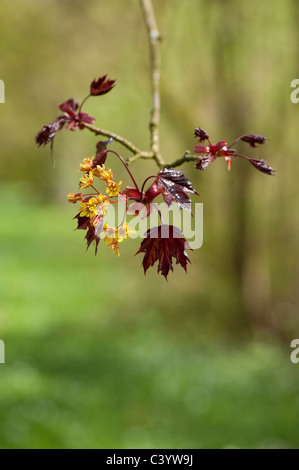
(127, 168)
(145, 181)
(80, 107)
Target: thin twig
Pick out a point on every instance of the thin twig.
(186, 158)
(135, 157)
(125, 142)
(126, 167)
(154, 39)
(155, 63)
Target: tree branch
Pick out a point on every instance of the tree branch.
(126, 143)
(154, 39)
(186, 158)
(155, 62)
(140, 155)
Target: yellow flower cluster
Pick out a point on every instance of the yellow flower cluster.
(115, 235)
(94, 206)
(101, 172)
(86, 165)
(87, 180)
(113, 188)
(73, 198)
(104, 174)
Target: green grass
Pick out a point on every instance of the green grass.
(95, 359)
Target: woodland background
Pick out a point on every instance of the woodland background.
(97, 355)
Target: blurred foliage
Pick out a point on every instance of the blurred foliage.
(98, 355)
(97, 358)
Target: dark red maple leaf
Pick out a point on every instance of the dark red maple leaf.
(202, 163)
(83, 222)
(90, 237)
(72, 118)
(142, 206)
(84, 117)
(103, 144)
(93, 231)
(93, 235)
(99, 159)
(48, 132)
(253, 139)
(69, 107)
(162, 244)
(174, 186)
(201, 134)
(101, 154)
(222, 149)
(145, 197)
(101, 86)
(133, 193)
(262, 166)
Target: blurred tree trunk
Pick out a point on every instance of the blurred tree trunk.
(249, 263)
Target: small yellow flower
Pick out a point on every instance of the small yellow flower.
(111, 240)
(113, 188)
(73, 198)
(107, 231)
(101, 198)
(86, 165)
(112, 244)
(89, 208)
(101, 172)
(115, 235)
(103, 206)
(87, 180)
(125, 231)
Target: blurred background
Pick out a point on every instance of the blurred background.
(97, 355)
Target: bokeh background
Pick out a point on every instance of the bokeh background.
(97, 355)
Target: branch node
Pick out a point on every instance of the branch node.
(154, 35)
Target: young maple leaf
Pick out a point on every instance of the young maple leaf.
(162, 244)
(174, 186)
(101, 86)
(222, 149)
(47, 133)
(83, 222)
(262, 166)
(72, 118)
(69, 107)
(202, 163)
(201, 134)
(143, 205)
(101, 154)
(93, 235)
(253, 139)
(93, 231)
